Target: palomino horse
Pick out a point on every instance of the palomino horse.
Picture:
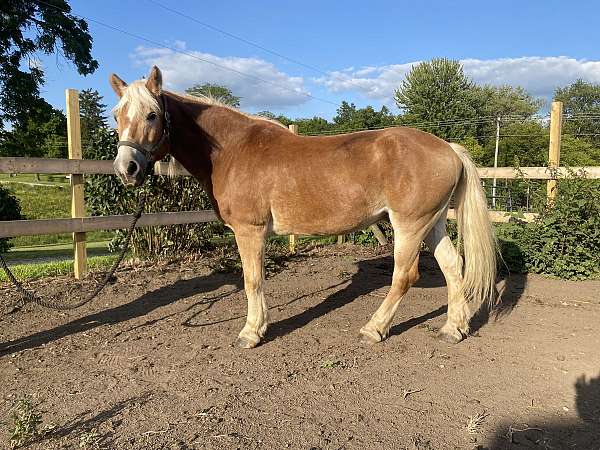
(263, 179)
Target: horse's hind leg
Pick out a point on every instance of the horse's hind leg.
(406, 258)
(251, 245)
(457, 324)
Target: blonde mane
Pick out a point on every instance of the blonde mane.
(140, 101)
(218, 101)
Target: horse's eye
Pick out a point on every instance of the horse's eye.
(151, 116)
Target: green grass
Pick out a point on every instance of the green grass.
(26, 421)
(30, 177)
(55, 268)
(37, 254)
(51, 201)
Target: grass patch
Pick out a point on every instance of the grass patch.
(31, 178)
(51, 201)
(57, 239)
(49, 253)
(90, 439)
(331, 363)
(56, 268)
(26, 421)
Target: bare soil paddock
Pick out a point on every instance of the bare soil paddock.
(150, 364)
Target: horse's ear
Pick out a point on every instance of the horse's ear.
(154, 82)
(117, 84)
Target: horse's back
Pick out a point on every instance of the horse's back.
(337, 183)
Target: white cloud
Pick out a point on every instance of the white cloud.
(538, 75)
(374, 82)
(183, 70)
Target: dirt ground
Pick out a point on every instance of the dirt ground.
(151, 363)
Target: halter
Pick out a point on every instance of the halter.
(149, 152)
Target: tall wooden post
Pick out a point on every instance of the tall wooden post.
(77, 195)
(556, 119)
(292, 237)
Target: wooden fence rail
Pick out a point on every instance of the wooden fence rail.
(73, 166)
(89, 167)
(16, 228)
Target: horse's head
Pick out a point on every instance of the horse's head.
(143, 126)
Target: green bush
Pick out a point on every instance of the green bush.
(106, 195)
(512, 259)
(564, 241)
(10, 209)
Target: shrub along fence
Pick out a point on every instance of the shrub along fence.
(77, 167)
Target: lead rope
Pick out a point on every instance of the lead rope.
(30, 297)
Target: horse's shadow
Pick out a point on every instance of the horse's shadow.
(372, 274)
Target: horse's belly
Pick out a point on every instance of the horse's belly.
(339, 221)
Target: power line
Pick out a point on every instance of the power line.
(238, 38)
(191, 55)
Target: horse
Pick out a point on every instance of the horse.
(263, 179)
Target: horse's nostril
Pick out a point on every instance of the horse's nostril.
(132, 168)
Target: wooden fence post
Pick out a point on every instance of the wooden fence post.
(292, 237)
(556, 119)
(77, 194)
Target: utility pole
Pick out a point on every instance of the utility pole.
(496, 160)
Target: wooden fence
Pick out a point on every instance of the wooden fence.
(78, 224)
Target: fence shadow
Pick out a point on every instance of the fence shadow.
(141, 306)
(582, 434)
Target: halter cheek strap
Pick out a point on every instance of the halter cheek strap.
(148, 152)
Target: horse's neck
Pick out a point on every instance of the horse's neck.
(201, 133)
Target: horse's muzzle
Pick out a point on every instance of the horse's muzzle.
(130, 166)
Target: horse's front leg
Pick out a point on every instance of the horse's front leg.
(251, 244)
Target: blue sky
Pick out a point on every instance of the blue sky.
(361, 49)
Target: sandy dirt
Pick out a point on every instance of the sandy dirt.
(151, 363)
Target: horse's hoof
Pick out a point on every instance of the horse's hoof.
(245, 343)
(450, 338)
(369, 337)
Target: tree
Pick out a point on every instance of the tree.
(349, 117)
(438, 96)
(522, 143)
(506, 102)
(221, 93)
(44, 133)
(315, 125)
(93, 113)
(581, 101)
(494, 101)
(10, 209)
(27, 28)
(280, 118)
(578, 152)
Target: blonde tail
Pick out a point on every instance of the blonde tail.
(475, 234)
